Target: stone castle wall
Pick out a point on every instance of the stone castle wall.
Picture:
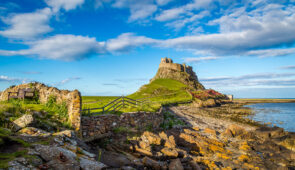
(180, 72)
(72, 98)
(95, 126)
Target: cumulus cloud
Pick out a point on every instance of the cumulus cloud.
(63, 4)
(65, 81)
(12, 79)
(175, 13)
(61, 47)
(27, 25)
(127, 41)
(199, 59)
(138, 9)
(163, 2)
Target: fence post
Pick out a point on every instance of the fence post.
(123, 101)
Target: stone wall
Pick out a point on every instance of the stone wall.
(95, 126)
(72, 98)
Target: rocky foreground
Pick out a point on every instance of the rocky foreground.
(199, 142)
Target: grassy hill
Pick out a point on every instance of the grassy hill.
(163, 91)
(155, 94)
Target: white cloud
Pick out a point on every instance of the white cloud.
(138, 9)
(12, 80)
(288, 67)
(170, 14)
(271, 52)
(127, 41)
(163, 2)
(253, 80)
(61, 47)
(27, 25)
(177, 12)
(199, 59)
(65, 4)
(67, 80)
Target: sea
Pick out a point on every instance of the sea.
(275, 114)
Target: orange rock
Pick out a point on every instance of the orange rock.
(245, 146)
(163, 135)
(196, 128)
(143, 151)
(169, 152)
(170, 142)
(151, 137)
(210, 131)
(244, 158)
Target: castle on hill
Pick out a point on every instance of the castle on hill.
(180, 72)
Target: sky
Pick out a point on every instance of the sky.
(112, 47)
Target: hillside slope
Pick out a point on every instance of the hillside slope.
(163, 91)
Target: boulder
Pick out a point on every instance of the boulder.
(148, 162)
(175, 164)
(23, 121)
(87, 164)
(170, 142)
(151, 138)
(170, 152)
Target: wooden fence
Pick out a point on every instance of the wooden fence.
(116, 105)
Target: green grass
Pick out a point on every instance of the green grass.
(163, 91)
(157, 93)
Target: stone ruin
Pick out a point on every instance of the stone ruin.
(72, 98)
(180, 72)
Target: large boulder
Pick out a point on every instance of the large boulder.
(23, 121)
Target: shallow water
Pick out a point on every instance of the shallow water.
(278, 114)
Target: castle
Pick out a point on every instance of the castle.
(180, 72)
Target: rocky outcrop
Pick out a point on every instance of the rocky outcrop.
(181, 72)
(71, 98)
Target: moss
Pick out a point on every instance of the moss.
(121, 129)
(5, 158)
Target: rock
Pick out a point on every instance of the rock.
(143, 151)
(62, 165)
(151, 138)
(114, 159)
(170, 152)
(233, 130)
(152, 163)
(210, 131)
(145, 145)
(175, 164)
(270, 132)
(86, 164)
(196, 128)
(32, 131)
(194, 165)
(170, 142)
(68, 133)
(53, 152)
(23, 121)
(163, 135)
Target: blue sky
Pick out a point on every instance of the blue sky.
(112, 47)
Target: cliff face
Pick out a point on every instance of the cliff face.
(180, 72)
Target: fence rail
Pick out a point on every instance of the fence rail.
(116, 105)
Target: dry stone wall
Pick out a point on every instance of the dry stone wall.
(93, 126)
(72, 98)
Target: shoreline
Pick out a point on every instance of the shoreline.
(254, 101)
